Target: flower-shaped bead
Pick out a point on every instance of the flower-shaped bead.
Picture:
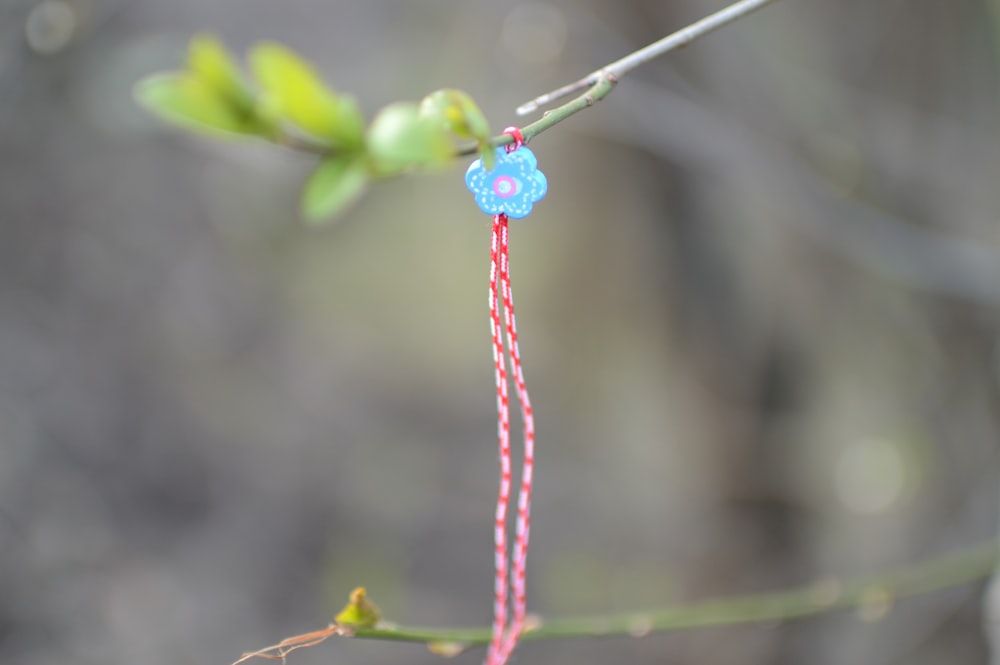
(512, 187)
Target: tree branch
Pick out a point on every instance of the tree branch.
(873, 596)
(599, 83)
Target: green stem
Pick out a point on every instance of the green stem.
(595, 93)
(671, 42)
(603, 86)
(600, 83)
(872, 595)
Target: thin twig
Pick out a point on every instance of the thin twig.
(600, 83)
(618, 68)
(597, 84)
(873, 596)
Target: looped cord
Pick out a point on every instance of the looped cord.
(518, 138)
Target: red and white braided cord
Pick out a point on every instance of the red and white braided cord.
(501, 645)
(500, 583)
(527, 470)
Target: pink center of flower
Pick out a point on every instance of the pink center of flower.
(505, 187)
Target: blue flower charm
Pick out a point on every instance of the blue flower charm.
(512, 187)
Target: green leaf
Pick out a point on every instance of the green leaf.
(458, 112)
(399, 137)
(294, 91)
(212, 63)
(335, 184)
(185, 99)
(460, 115)
(359, 612)
(350, 123)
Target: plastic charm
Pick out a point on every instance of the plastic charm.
(512, 187)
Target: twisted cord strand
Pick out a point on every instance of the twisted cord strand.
(527, 470)
(501, 644)
(500, 583)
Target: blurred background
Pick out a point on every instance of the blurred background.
(758, 314)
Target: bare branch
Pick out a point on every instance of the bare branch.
(872, 596)
(619, 68)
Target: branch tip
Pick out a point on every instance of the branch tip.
(615, 70)
(872, 596)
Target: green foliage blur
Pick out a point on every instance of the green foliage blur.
(290, 104)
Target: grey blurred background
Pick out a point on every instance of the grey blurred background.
(758, 312)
